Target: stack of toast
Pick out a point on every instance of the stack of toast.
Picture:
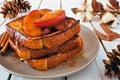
(48, 50)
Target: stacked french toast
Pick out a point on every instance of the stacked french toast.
(45, 38)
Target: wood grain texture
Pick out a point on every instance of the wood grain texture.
(88, 73)
(14, 77)
(3, 74)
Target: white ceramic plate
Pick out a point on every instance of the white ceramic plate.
(91, 46)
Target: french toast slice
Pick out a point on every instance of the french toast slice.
(15, 30)
(53, 61)
(27, 53)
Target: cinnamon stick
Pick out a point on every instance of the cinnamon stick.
(2, 38)
(5, 38)
(4, 47)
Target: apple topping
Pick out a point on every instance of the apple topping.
(44, 21)
(50, 19)
(28, 22)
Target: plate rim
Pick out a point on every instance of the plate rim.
(60, 75)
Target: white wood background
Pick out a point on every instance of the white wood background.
(95, 71)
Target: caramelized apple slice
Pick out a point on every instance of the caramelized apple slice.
(28, 22)
(50, 19)
(40, 64)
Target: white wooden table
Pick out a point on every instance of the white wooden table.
(94, 71)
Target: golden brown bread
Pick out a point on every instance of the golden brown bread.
(15, 30)
(55, 60)
(68, 50)
(51, 48)
(27, 53)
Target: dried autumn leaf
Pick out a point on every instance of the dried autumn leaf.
(97, 6)
(103, 36)
(111, 35)
(106, 28)
(113, 4)
(114, 23)
(75, 10)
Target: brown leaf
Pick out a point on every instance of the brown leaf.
(114, 3)
(106, 28)
(110, 34)
(103, 36)
(97, 6)
(75, 10)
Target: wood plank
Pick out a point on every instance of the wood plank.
(100, 64)
(3, 74)
(22, 78)
(67, 5)
(88, 73)
(54, 4)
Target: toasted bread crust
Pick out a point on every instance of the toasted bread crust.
(16, 31)
(55, 60)
(48, 50)
(27, 53)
